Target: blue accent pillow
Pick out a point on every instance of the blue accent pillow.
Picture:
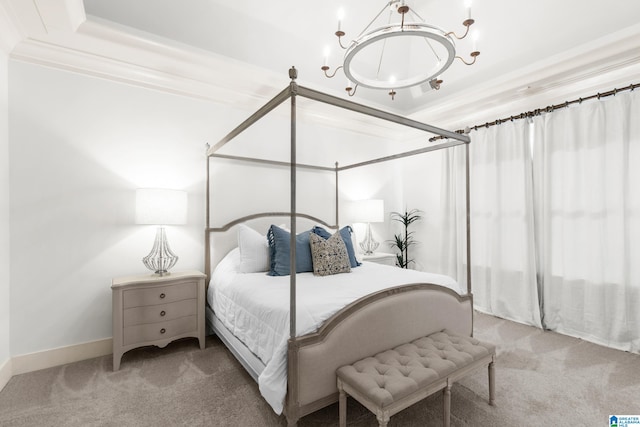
(345, 233)
(279, 249)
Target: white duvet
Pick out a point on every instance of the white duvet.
(255, 308)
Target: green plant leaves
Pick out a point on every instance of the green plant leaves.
(403, 241)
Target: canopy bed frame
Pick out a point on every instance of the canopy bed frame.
(347, 336)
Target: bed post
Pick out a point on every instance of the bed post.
(207, 234)
(337, 205)
(468, 208)
(292, 353)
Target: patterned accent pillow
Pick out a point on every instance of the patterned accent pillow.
(349, 241)
(329, 256)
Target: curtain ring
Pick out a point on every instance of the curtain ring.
(615, 91)
(598, 95)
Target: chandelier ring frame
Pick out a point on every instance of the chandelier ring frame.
(415, 29)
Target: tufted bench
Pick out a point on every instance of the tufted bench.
(396, 379)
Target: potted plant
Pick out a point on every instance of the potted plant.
(404, 240)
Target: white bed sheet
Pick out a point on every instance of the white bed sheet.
(255, 308)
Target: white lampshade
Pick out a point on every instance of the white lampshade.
(371, 210)
(161, 206)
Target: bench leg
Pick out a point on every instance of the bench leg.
(342, 405)
(446, 406)
(492, 380)
(383, 418)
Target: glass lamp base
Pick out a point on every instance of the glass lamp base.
(369, 245)
(160, 260)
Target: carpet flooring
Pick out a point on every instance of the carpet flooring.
(542, 379)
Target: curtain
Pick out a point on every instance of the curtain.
(503, 257)
(566, 255)
(502, 223)
(587, 161)
(454, 216)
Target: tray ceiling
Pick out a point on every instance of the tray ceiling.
(532, 53)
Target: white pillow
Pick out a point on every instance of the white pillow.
(356, 247)
(254, 250)
(229, 264)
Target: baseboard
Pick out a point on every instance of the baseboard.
(5, 373)
(59, 356)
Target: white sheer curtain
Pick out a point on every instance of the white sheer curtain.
(454, 218)
(588, 202)
(502, 224)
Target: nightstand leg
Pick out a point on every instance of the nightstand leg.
(116, 361)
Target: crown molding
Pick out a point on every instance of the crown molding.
(119, 70)
(599, 65)
(10, 35)
(66, 15)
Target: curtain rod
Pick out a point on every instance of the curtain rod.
(540, 111)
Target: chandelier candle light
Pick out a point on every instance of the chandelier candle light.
(160, 207)
(401, 52)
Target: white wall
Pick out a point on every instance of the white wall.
(420, 178)
(79, 147)
(4, 215)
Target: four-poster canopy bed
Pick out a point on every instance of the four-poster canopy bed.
(393, 311)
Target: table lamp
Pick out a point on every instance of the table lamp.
(369, 211)
(160, 207)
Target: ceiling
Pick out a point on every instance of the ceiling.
(533, 53)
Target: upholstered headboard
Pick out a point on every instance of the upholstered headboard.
(223, 239)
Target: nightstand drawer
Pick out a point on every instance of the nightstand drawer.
(159, 294)
(159, 313)
(160, 330)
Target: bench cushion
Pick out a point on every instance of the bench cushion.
(394, 374)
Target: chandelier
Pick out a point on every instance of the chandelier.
(398, 52)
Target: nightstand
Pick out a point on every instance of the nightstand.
(381, 258)
(154, 310)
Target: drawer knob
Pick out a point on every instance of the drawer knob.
(162, 313)
(162, 295)
(163, 330)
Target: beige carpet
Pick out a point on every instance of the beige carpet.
(542, 379)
